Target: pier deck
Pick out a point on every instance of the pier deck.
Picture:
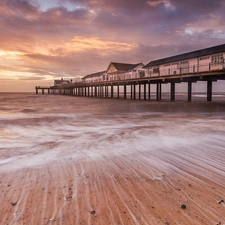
(106, 88)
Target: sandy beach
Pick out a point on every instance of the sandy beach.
(85, 162)
(118, 190)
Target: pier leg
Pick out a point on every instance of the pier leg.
(118, 91)
(189, 90)
(149, 91)
(139, 91)
(125, 91)
(43, 91)
(134, 91)
(36, 91)
(158, 91)
(131, 90)
(95, 91)
(209, 90)
(111, 91)
(144, 91)
(172, 91)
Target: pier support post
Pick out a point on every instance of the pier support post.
(111, 91)
(209, 90)
(125, 91)
(139, 91)
(36, 91)
(118, 91)
(144, 91)
(158, 91)
(48, 91)
(131, 91)
(134, 91)
(172, 91)
(189, 90)
(95, 91)
(43, 90)
(149, 91)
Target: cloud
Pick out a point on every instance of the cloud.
(77, 37)
(155, 3)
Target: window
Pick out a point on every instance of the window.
(155, 70)
(204, 58)
(167, 65)
(217, 59)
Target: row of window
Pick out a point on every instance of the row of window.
(216, 59)
(203, 58)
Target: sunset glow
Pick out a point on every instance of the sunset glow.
(44, 40)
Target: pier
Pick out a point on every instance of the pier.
(138, 88)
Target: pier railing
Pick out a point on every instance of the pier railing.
(106, 89)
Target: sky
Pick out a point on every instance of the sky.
(43, 40)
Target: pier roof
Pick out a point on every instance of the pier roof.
(116, 66)
(124, 66)
(194, 54)
(94, 74)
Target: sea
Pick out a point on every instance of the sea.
(40, 129)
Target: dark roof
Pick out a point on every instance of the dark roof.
(124, 66)
(194, 54)
(94, 75)
(61, 81)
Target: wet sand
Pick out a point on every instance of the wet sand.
(85, 162)
(130, 189)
